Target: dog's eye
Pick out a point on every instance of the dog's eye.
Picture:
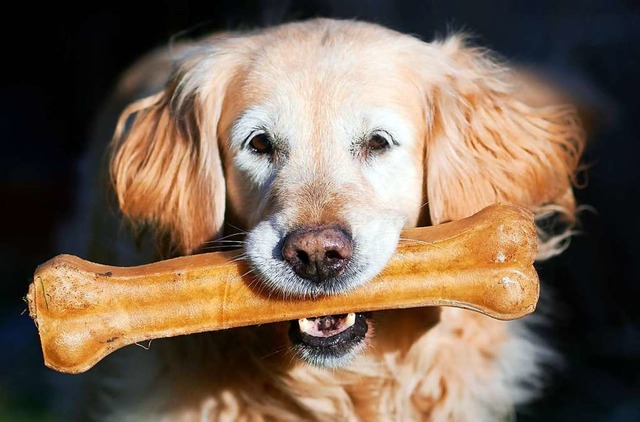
(377, 143)
(374, 144)
(261, 144)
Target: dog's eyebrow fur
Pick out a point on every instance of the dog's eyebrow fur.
(389, 122)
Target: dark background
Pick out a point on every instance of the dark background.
(59, 63)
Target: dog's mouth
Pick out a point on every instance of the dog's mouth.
(331, 340)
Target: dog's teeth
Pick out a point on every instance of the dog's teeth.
(350, 320)
(306, 326)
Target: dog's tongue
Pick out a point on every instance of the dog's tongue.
(326, 326)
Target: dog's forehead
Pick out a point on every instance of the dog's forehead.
(308, 70)
(301, 82)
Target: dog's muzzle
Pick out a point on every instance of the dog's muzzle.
(319, 255)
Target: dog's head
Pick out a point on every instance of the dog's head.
(323, 139)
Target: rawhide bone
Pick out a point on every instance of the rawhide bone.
(85, 311)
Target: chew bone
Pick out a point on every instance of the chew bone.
(85, 311)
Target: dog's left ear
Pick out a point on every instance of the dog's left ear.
(484, 146)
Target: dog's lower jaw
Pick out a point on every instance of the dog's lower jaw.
(335, 349)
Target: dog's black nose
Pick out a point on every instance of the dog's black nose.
(318, 254)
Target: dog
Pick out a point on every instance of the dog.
(319, 141)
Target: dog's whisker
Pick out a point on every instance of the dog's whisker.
(221, 239)
(218, 248)
(292, 353)
(421, 242)
(234, 242)
(275, 351)
(246, 273)
(240, 231)
(209, 242)
(227, 241)
(224, 243)
(258, 283)
(242, 257)
(227, 237)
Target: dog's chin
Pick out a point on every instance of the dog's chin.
(329, 341)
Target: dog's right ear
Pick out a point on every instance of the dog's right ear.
(165, 165)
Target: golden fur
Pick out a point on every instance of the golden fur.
(175, 168)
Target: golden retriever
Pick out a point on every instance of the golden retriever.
(322, 140)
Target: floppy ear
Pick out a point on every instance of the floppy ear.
(485, 146)
(166, 168)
